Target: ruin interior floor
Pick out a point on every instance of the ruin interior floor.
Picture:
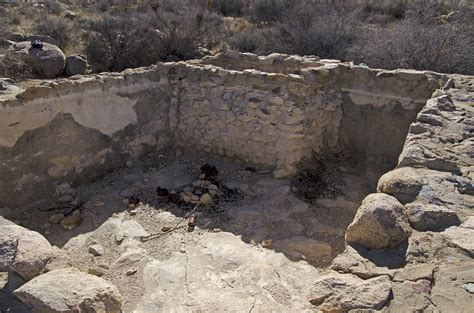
(261, 250)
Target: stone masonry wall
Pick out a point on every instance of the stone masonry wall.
(74, 130)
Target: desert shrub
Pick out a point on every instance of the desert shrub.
(269, 11)
(211, 29)
(59, 28)
(447, 48)
(321, 30)
(119, 42)
(229, 7)
(116, 43)
(14, 67)
(306, 30)
(246, 41)
(398, 9)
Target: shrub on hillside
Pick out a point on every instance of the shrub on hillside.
(269, 11)
(306, 29)
(229, 7)
(59, 28)
(447, 48)
(119, 42)
(14, 67)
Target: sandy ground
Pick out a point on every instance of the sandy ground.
(260, 250)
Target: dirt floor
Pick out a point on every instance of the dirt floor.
(259, 248)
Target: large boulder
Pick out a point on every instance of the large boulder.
(69, 290)
(26, 252)
(47, 62)
(76, 64)
(380, 223)
(344, 292)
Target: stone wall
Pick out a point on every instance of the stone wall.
(76, 130)
(275, 114)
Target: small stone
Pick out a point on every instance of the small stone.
(196, 183)
(267, 243)
(165, 228)
(65, 199)
(56, 218)
(132, 271)
(206, 199)
(213, 193)
(72, 221)
(202, 176)
(97, 271)
(216, 230)
(245, 173)
(192, 221)
(133, 212)
(199, 192)
(186, 197)
(47, 232)
(99, 203)
(119, 238)
(96, 250)
(212, 187)
(194, 198)
(469, 287)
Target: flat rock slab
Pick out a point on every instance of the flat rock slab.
(462, 237)
(68, 290)
(344, 292)
(448, 292)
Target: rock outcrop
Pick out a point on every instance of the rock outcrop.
(68, 290)
(26, 252)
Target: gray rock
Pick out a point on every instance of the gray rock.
(461, 237)
(402, 183)
(76, 65)
(411, 296)
(96, 249)
(350, 261)
(414, 273)
(25, 252)
(68, 290)
(344, 292)
(47, 62)
(380, 223)
(448, 293)
(430, 217)
(469, 287)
